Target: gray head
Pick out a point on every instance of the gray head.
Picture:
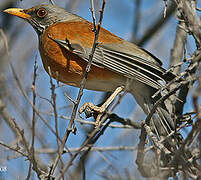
(42, 16)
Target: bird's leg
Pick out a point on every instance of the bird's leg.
(100, 110)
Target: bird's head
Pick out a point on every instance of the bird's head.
(42, 16)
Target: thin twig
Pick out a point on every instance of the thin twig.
(13, 149)
(103, 149)
(96, 33)
(126, 123)
(82, 85)
(93, 136)
(33, 120)
(54, 106)
(30, 102)
(157, 25)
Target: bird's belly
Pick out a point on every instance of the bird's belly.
(70, 70)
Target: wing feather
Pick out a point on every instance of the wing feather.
(132, 65)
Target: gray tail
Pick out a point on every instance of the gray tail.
(161, 123)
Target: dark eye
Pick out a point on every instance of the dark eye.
(41, 12)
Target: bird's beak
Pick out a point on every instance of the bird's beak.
(17, 12)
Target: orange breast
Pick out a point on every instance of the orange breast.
(68, 67)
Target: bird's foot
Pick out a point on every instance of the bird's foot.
(90, 109)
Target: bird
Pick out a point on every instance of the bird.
(65, 43)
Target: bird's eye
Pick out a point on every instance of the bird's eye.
(41, 12)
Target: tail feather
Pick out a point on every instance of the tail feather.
(163, 124)
(161, 121)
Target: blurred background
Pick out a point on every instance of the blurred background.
(139, 21)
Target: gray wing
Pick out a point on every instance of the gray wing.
(123, 59)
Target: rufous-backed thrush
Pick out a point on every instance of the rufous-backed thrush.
(65, 42)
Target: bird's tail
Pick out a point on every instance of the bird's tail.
(161, 120)
(161, 123)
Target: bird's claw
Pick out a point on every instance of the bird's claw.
(89, 109)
